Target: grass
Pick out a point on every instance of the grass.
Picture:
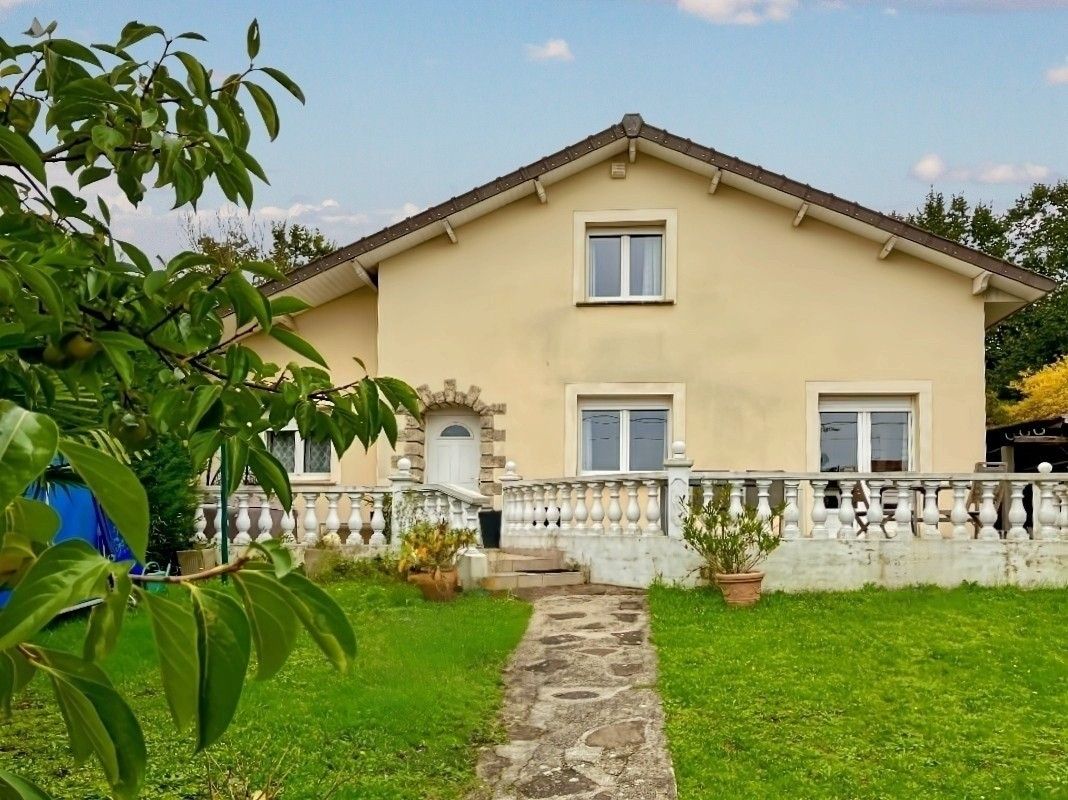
(920, 693)
(404, 723)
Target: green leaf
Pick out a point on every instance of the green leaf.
(297, 344)
(324, 620)
(117, 490)
(287, 304)
(271, 474)
(64, 574)
(203, 399)
(252, 39)
(197, 76)
(400, 395)
(20, 151)
(27, 445)
(191, 35)
(107, 139)
(15, 672)
(98, 720)
(285, 82)
(272, 619)
(223, 647)
(265, 104)
(79, 52)
(247, 300)
(43, 286)
(277, 554)
(12, 787)
(175, 633)
(35, 520)
(105, 620)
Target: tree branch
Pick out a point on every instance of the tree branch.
(222, 569)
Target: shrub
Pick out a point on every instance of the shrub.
(432, 547)
(166, 471)
(729, 544)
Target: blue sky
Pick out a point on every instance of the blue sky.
(412, 102)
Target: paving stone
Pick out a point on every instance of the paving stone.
(625, 616)
(581, 724)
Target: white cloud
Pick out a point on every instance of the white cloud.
(739, 12)
(932, 167)
(929, 168)
(8, 5)
(551, 50)
(1057, 76)
(402, 213)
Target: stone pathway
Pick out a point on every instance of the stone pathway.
(583, 718)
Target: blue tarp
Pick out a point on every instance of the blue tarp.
(81, 517)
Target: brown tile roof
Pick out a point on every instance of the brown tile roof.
(632, 126)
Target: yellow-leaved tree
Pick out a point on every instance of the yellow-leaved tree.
(1045, 394)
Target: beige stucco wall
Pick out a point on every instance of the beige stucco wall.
(762, 309)
(340, 329)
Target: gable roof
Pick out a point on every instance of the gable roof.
(1018, 286)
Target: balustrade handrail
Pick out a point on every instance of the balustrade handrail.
(597, 477)
(696, 476)
(453, 491)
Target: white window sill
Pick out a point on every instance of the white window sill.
(625, 301)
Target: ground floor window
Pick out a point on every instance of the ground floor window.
(871, 434)
(623, 436)
(298, 456)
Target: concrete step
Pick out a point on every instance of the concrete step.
(502, 581)
(512, 562)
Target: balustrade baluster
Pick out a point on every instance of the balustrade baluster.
(634, 512)
(615, 512)
(959, 515)
(1062, 516)
(582, 513)
(791, 513)
(845, 509)
(566, 509)
(1047, 511)
(355, 521)
(539, 508)
(763, 510)
(552, 509)
(876, 515)
(930, 509)
(903, 512)
(378, 519)
(652, 508)
(596, 508)
(988, 514)
(333, 521)
(819, 509)
(200, 521)
(243, 522)
(1017, 513)
(528, 509)
(311, 519)
(470, 516)
(708, 490)
(265, 522)
(289, 523)
(737, 492)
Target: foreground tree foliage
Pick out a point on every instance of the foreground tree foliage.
(100, 353)
(1033, 233)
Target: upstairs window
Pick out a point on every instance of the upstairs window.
(625, 264)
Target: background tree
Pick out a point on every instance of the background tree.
(1044, 394)
(235, 239)
(1033, 233)
(100, 353)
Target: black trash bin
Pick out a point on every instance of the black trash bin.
(489, 523)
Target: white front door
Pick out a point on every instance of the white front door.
(452, 451)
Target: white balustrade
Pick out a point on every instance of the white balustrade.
(355, 520)
(931, 512)
(634, 513)
(845, 509)
(243, 522)
(819, 509)
(597, 508)
(876, 514)
(652, 507)
(1017, 513)
(265, 522)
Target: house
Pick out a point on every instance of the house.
(635, 289)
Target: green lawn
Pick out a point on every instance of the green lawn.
(920, 693)
(403, 724)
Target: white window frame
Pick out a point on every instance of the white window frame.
(863, 407)
(624, 263)
(629, 220)
(624, 406)
(298, 456)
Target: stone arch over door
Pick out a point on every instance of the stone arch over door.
(411, 440)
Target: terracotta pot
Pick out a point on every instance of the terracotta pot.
(441, 589)
(193, 561)
(740, 589)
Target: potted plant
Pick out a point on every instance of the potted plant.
(202, 556)
(731, 545)
(428, 557)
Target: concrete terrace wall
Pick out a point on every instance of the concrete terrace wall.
(820, 564)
